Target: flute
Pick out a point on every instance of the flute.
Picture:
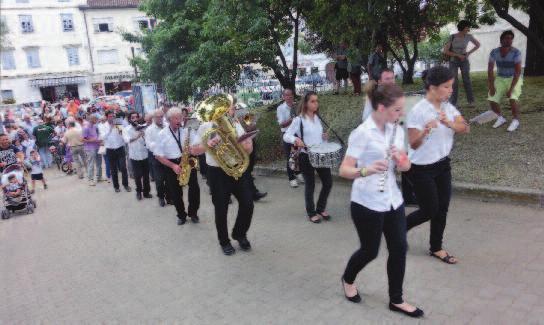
(388, 157)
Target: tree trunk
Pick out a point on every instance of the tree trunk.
(534, 65)
(408, 75)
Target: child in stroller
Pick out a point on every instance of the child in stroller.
(16, 193)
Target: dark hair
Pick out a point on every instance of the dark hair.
(386, 70)
(463, 24)
(108, 112)
(436, 76)
(10, 177)
(185, 110)
(383, 94)
(507, 32)
(72, 124)
(302, 109)
(132, 113)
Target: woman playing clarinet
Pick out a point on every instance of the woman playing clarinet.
(431, 124)
(374, 152)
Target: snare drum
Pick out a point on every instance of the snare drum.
(325, 155)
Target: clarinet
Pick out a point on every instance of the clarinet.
(388, 157)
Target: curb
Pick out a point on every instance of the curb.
(481, 192)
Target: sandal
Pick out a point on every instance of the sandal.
(326, 218)
(448, 259)
(314, 220)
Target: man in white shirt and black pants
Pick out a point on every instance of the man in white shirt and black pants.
(285, 114)
(137, 154)
(111, 134)
(222, 186)
(151, 138)
(168, 151)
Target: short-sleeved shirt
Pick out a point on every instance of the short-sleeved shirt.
(377, 63)
(459, 44)
(91, 132)
(506, 66)
(167, 142)
(367, 144)
(42, 133)
(8, 156)
(438, 143)
(283, 114)
(73, 137)
(204, 127)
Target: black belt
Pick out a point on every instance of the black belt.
(176, 160)
(443, 160)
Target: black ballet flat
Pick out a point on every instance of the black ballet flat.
(415, 314)
(355, 299)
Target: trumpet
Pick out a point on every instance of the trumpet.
(249, 122)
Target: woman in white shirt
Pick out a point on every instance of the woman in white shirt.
(432, 124)
(305, 131)
(370, 161)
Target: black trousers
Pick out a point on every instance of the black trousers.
(151, 169)
(117, 160)
(252, 160)
(160, 180)
(222, 186)
(141, 175)
(370, 224)
(287, 150)
(203, 165)
(432, 186)
(308, 171)
(175, 191)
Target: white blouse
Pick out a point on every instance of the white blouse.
(312, 129)
(367, 144)
(439, 142)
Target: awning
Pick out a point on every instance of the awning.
(57, 81)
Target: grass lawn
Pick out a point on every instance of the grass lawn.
(485, 156)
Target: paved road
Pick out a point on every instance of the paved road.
(91, 255)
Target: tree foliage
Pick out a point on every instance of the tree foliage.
(199, 44)
(398, 24)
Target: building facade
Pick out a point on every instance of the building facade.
(73, 48)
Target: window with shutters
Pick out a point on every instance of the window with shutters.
(73, 55)
(26, 23)
(103, 25)
(8, 60)
(108, 57)
(33, 57)
(67, 22)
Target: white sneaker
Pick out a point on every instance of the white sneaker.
(293, 183)
(513, 126)
(92, 183)
(500, 121)
(300, 178)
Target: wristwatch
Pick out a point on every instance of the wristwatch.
(363, 172)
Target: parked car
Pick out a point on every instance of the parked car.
(125, 94)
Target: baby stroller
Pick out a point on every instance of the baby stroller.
(21, 203)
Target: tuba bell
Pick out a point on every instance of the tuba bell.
(228, 153)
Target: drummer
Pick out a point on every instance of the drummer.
(306, 131)
(387, 77)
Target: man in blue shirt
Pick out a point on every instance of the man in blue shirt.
(508, 81)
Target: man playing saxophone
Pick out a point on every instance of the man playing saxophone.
(168, 151)
(227, 159)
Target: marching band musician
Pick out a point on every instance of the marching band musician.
(168, 150)
(306, 130)
(432, 124)
(222, 186)
(189, 136)
(137, 154)
(376, 201)
(151, 138)
(111, 134)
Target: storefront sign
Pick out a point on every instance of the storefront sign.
(117, 77)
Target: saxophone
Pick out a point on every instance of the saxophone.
(187, 163)
(228, 153)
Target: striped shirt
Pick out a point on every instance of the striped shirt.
(505, 65)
